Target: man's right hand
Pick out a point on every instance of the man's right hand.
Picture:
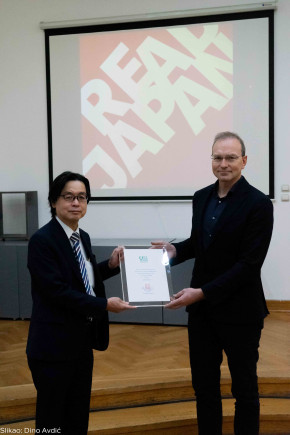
(159, 244)
(117, 305)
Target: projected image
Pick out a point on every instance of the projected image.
(135, 107)
(147, 97)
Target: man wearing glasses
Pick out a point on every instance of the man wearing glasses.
(70, 309)
(231, 231)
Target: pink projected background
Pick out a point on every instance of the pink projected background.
(152, 101)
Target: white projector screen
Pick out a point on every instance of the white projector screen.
(135, 106)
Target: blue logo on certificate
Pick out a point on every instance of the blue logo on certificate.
(143, 259)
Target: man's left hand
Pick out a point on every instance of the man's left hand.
(185, 297)
(117, 255)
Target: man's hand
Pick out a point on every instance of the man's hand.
(185, 297)
(117, 305)
(159, 244)
(116, 256)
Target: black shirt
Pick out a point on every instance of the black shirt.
(213, 211)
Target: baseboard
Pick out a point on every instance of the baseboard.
(278, 305)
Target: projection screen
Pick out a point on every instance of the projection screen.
(135, 106)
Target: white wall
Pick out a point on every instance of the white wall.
(23, 126)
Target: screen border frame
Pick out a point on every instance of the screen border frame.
(125, 25)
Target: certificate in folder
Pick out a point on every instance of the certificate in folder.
(146, 276)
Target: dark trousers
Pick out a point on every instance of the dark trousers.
(63, 394)
(207, 340)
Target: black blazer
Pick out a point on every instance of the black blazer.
(229, 270)
(58, 327)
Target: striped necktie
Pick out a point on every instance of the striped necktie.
(75, 238)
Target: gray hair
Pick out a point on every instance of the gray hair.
(227, 135)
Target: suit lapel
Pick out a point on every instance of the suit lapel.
(86, 245)
(98, 289)
(65, 247)
(199, 213)
(98, 280)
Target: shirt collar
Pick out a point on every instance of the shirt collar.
(66, 228)
(230, 192)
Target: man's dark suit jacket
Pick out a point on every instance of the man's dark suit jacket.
(229, 269)
(58, 328)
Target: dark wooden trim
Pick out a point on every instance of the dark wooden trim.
(278, 305)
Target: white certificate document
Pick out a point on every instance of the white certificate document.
(146, 276)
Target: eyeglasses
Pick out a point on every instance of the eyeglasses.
(70, 198)
(228, 158)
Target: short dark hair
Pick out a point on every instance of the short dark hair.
(58, 184)
(227, 135)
